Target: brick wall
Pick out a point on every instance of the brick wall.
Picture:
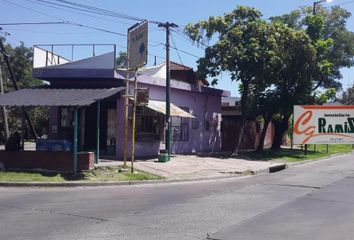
(57, 161)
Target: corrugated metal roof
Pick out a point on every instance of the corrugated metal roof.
(160, 106)
(56, 97)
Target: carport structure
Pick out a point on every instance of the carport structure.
(59, 97)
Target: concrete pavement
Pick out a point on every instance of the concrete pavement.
(191, 167)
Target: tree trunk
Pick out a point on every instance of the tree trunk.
(263, 134)
(244, 97)
(281, 126)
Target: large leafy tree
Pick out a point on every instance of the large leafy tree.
(244, 47)
(334, 46)
(291, 79)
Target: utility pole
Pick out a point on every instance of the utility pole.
(14, 82)
(3, 108)
(167, 26)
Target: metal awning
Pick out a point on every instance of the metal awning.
(160, 106)
(56, 97)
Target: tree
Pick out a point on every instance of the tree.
(122, 60)
(21, 61)
(291, 74)
(244, 48)
(348, 96)
(334, 46)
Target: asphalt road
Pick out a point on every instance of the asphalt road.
(311, 201)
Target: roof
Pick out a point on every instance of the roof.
(56, 97)
(160, 106)
(229, 101)
(177, 66)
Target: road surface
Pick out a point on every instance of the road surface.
(310, 201)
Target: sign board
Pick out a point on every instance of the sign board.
(142, 96)
(138, 45)
(323, 125)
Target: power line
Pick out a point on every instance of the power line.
(174, 44)
(84, 25)
(101, 10)
(78, 13)
(63, 21)
(340, 4)
(30, 23)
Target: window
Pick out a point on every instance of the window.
(149, 124)
(195, 124)
(180, 127)
(66, 117)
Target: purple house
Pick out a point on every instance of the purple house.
(195, 107)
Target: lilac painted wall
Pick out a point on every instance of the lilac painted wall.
(201, 105)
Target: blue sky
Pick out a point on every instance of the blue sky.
(180, 12)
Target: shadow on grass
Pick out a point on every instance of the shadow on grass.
(266, 155)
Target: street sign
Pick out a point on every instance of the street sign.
(138, 45)
(323, 125)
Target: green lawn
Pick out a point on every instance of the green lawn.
(97, 175)
(297, 155)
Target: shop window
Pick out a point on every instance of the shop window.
(149, 124)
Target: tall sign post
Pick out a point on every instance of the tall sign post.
(137, 57)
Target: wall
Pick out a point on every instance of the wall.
(57, 161)
(201, 105)
(252, 132)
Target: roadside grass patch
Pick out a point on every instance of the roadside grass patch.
(99, 174)
(297, 155)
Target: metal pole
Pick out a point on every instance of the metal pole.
(23, 122)
(75, 141)
(134, 120)
(305, 149)
(315, 6)
(3, 108)
(167, 26)
(98, 132)
(168, 91)
(126, 115)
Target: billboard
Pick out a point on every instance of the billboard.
(138, 45)
(323, 125)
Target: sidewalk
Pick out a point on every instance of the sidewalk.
(191, 167)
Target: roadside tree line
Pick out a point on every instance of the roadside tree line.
(277, 63)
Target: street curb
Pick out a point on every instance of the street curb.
(318, 159)
(140, 182)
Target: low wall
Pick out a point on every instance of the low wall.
(57, 161)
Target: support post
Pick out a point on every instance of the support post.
(76, 125)
(97, 157)
(3, 108)
(305, 149)
(126, 116)
(134, 120)
(167, 26)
